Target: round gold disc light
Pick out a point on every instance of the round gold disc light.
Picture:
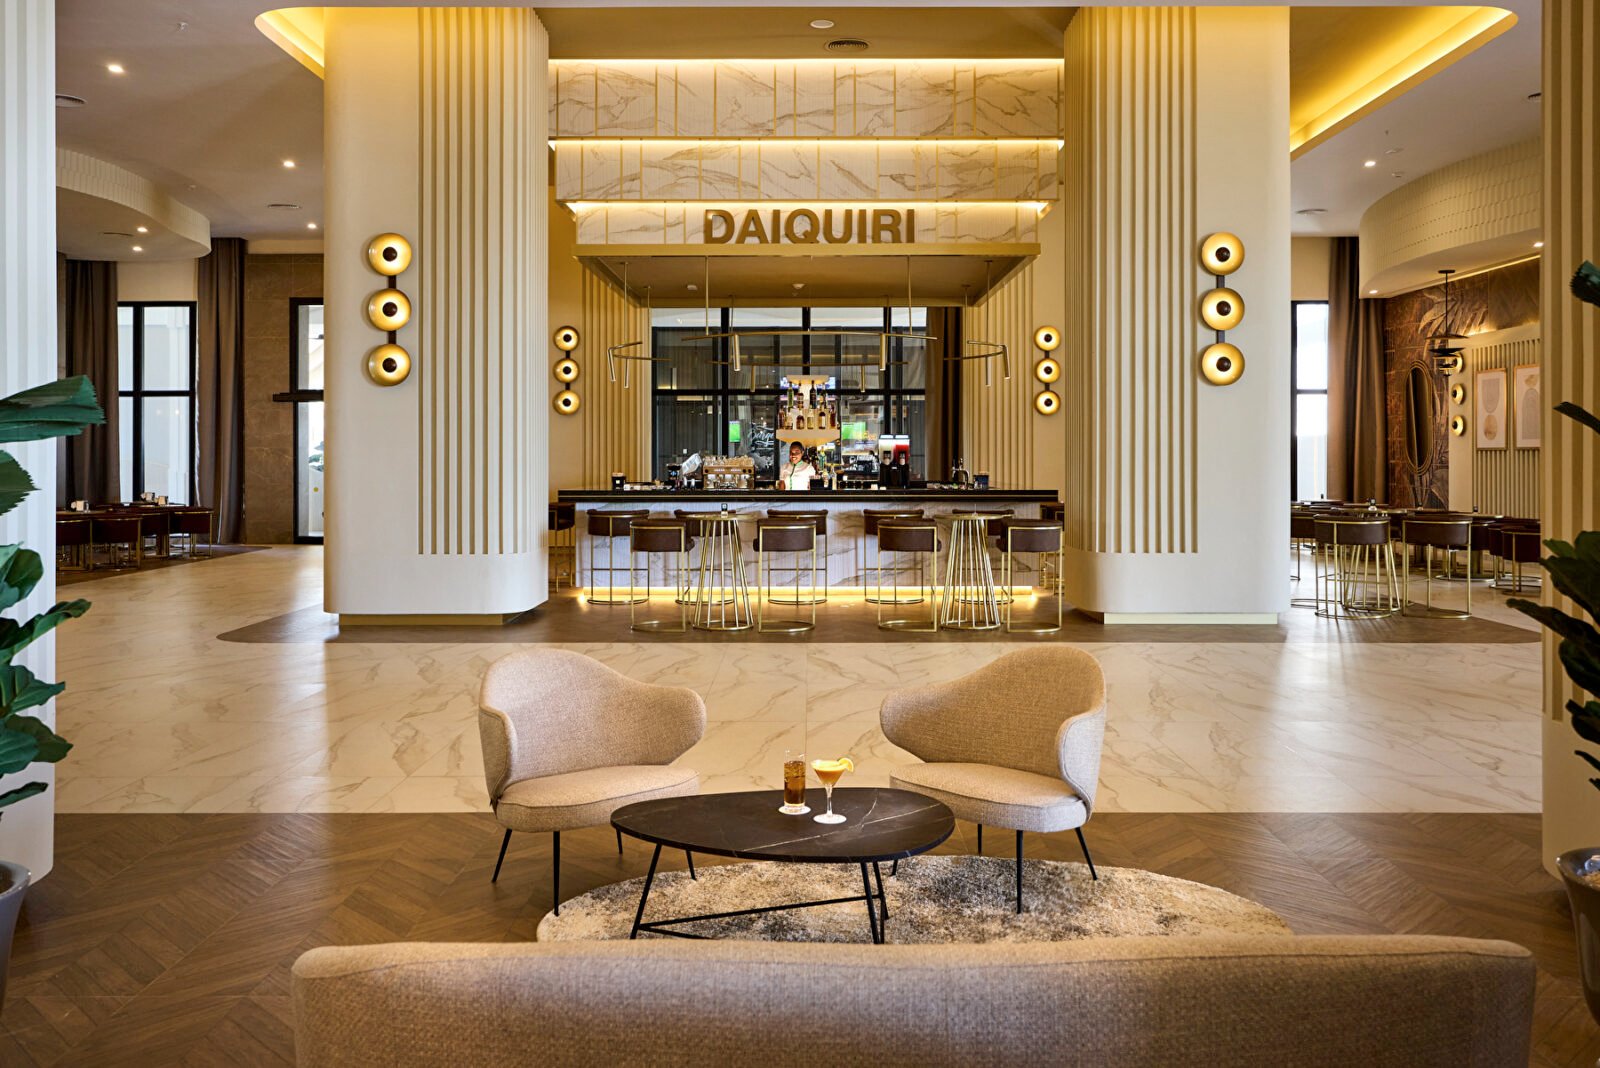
(1046, 338)
(1048, 402)
(389, 254)
(1222, 309)
(1047, 370)
(1458, 425)
(1222, 253)
(566, 370)
(566, 402)
(566, 338)
(1222, 363)
(1458, 393)
(389, 309)
(388, 365)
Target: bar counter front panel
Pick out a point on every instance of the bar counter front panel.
(850, 557)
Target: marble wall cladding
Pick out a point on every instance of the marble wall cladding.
(654, 224)
(270, 282)
(805, 169)
(807, 98)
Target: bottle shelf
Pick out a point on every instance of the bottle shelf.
(809, 437)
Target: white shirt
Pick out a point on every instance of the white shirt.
(796, 476)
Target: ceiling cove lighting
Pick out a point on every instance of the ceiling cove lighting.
(799, 142)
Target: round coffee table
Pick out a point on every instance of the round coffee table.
(880, 824)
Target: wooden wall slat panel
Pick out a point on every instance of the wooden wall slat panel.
(1504, 481)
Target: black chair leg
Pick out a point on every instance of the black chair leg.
(619, 842)
(555, 870)
(690, 857)
(894, 869)
(503, 843)
(1086, 856)
(980, 839)
(1019, 871)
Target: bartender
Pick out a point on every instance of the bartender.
(797, 473)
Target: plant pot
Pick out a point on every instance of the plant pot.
(1584, 898)
(13, 888)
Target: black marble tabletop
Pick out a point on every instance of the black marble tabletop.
(880, 824)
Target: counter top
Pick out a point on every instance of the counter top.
(805, 496)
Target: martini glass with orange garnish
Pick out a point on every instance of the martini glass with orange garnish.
(830, 771)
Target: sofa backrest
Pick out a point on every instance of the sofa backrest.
(1392, 1000)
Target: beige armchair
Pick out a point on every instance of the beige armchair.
(1015, 743)
(567, 741)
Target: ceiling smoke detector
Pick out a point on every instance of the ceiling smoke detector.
(847, 45)
(67, 100)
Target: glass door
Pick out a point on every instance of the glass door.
(305, 384)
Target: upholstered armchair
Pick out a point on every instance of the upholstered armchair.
(567, 741)
(1015, 744)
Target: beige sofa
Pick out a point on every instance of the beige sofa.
(1347, 1001)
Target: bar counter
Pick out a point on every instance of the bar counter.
(849, 556)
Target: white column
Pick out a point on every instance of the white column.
(28, 353)
(435, 124)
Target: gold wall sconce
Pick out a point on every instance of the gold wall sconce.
(566, 370)
(1458, 394)
(566, 402)
(389, 309)
(565, 338)
(1221, 253)
(1222, 364)
(1046, 338)
(1458, 425)
(1048, 402)
(1222, 309)
(1047, 370)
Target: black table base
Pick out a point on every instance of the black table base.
(876, 902)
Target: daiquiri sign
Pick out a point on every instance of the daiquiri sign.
(807, 226)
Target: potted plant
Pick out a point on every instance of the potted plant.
(1574, 569)
(53, 410)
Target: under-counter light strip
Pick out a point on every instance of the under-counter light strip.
(742, 205)
(878, 142)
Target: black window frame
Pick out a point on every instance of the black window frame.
(139, 393)
(1295, 393)
(723, 393)
(298, 396)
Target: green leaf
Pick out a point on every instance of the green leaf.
(20, 571)
(53, 410)
(17, 749)
(1579, 579)
(1579, 414)
(52, 747)
(1586, 283)
(1566, 626)
(20, 690)
(1583, 666)
(1589, 759)
(15, 637)
(22, 793)
(1585, 720)
(14, 482)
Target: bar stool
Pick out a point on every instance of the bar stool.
(871, 518)
(1519, 545)
(610, 524)
(1355, 568)
(1452, 534)
(123, 536)
(969, 601)
(775, 536)
(994, 530)
(665, 536)
(1482, 528)
(1041, 536)
(193, 523)
(1056, 512)
(563, 543)
(819, 517)
(912, 534)
(1302, 532)
(722, 594)
(75, 535)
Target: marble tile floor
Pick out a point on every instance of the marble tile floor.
(167, 718)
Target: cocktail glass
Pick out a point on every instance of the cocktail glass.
(794, 785)
(829, 771)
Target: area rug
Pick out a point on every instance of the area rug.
(933, 899)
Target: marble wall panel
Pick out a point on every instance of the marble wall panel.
(602, 170)
(696, 100)
(789, 170)
(670, 172)
(925, 99)
(847, 173)
(746, 101)
(1021, 101)
(966, 168)
(966, 97)
(1016, 175)
(636, 224)
(625, 100)
(575, 100)
(719, 171)
(875, 101)
(815, 111)
(750, 170)
(569, 170)
(592, 227)
(907, 170)
(632, 171)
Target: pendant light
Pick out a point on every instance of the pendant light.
(1444, 345)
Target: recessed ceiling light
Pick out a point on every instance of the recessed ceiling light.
(1370, 163)
(142, 229)
(115, 68)
(289, 163)
(1372, 292)
(1538, 244)
(822, 24)
(1312, 211)
(1393, 151)
(67, 100)
(311, 226)
(138, 248)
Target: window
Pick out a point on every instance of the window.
(1308, 412)
(701, 406)
(155, 393)
(306, 337)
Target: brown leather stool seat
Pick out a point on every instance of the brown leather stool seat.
(1042, 536)
(1355, 566)
(908, 536)
(796, 534)
(75, 535)
(1053, 510)
(1447, 531)
(920, 537)
(658, 535)
(820, 518)
(190, 523)
(871, 521)
(123, 535)
(1520, 543)
(563, 515)
(610, 524)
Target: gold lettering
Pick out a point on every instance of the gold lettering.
(710, 234)
(793, 232)
(911, 226)
(861, 226)
(886, 221)
(827, 227)
(751, 228)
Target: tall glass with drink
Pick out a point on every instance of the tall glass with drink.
(794, 785)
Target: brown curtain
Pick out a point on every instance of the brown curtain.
(1358, 422)
(944, 392)
(221, 385)
(94, 462)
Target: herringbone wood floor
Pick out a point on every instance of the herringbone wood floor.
(167, 939)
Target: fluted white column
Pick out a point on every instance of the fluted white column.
(28, 352)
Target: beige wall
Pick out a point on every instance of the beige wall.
(1309, 262)
(161, 280)
(269, 283)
